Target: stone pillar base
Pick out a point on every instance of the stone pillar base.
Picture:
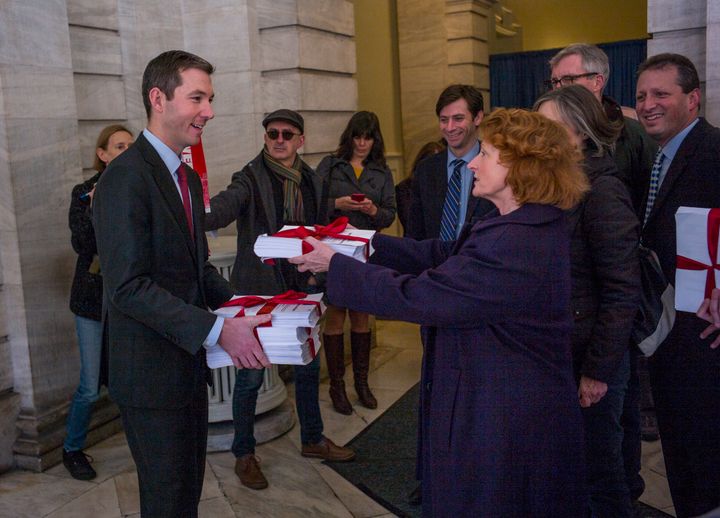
(39, 445)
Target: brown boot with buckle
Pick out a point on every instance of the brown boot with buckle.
(247, 468)
(361, 365)
(327, 450)
(333, 345)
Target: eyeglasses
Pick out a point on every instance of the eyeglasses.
(273, 134)
(568, 80)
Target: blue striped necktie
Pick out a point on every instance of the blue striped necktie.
(654, 183)
(451, 209)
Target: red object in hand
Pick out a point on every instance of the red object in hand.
(358, 196)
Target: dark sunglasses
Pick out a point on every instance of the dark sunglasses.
(273, 134)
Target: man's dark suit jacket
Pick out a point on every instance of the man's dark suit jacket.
(429, 188)
(158, 282)
(684, 371)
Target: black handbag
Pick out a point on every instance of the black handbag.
(656, 315)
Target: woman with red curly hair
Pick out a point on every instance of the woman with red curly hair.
(500, 425)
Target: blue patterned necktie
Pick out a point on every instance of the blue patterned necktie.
(451, 209)
(654, 183)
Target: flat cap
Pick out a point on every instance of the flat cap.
(289, 116)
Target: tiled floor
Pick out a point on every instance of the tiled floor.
(299, 487)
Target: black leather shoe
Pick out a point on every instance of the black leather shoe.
(77, 464)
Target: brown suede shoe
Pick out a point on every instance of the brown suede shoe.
(248, 471)
(327, 450)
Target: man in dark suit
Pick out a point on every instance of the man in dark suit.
(460, 111)
(685, 370)
(158, 284)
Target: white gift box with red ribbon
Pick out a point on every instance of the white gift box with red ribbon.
(696, 274)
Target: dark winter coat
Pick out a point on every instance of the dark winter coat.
(375, 182)
(87, 288)
(605, 271)
(249, 200)
(500, 426)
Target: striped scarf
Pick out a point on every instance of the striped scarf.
(293, 211)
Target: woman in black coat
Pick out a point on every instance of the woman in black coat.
(605, 293)
(361, 187)
(86, 302)
(500, 426)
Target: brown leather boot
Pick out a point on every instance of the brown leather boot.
(247, 468)
(327, 450)
(333, 345)
(360, 343)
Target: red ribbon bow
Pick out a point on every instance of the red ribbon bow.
(685, 263)
(289, 297)
(334, 230)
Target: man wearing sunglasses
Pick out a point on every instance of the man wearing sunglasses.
(276, 188)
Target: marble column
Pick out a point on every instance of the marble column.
(690, 28)
(307, 62)
(40, 163)
(440, 42)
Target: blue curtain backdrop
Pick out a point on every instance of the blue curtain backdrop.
(516, 80)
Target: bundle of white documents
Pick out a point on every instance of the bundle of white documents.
(291, 339)
(274, 247)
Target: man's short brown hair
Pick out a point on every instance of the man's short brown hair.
(164, 70)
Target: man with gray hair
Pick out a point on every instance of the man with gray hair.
(588, 66)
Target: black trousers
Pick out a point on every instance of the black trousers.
(685, 379)
(169, 446)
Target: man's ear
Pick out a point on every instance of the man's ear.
(694, 99)
(599, 83)
(478, 118)
(157, 99)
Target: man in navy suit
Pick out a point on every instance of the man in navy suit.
(460, 111)
(148, 218)
(685, 370)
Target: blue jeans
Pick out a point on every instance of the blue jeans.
(609, 496)
(89, 334)
(247, 384)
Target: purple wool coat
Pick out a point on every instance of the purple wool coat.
(500, 426)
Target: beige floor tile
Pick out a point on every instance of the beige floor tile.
(126, 485)
(110, 457)
(358, 503)
(28, 494)
(296, 488)
(669, 510)
(400, 374)
(657, 492)
(210, 489)
(398, 334)
(652, 457)
(99, 502)
(215, 508)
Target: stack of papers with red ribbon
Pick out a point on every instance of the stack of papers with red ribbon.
(697, 270)
(292, 335)
(288, 242)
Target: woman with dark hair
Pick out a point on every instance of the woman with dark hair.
(403, 190)
(86, 302)
(605, 293)
(361, 187)
(500, 428)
